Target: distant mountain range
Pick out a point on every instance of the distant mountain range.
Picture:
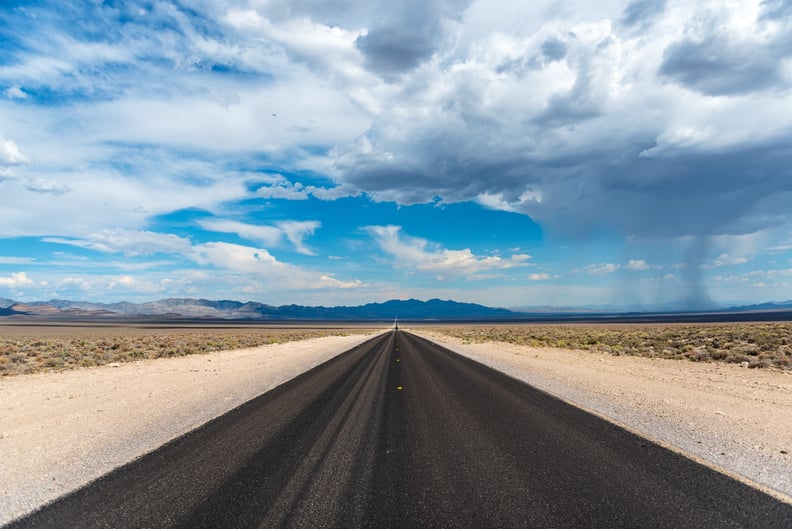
(411, 309)
(773, 305)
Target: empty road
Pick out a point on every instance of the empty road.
(399, 432)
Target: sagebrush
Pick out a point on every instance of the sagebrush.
(24, 351)
(757, 344)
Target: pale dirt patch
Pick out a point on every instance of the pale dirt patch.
(59, 431)
(736, 419)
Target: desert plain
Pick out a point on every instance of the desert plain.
(64, 423)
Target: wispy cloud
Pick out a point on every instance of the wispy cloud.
(293, 231)
(16, 260)
(601, 269)
(128, 242)
(47, 186)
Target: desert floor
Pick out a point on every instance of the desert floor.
(59, 431)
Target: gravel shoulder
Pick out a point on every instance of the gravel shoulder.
(59, 431)
(736, 420)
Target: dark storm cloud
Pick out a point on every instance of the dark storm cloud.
(404, 34)
(399, 35)
(720, 66)
(395, 50)
(600, 186)
(438, 162)
(643, 12)
(607, 185)
(606, 149)
(693, 194)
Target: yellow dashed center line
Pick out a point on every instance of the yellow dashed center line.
(399, 388)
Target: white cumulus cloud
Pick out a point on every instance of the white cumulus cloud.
(17, 279)
(728, 260)
(637, 264)
(9, 153)
(15, 92)
(423, 256)
(264, 267)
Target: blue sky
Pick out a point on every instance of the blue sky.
(546, 153)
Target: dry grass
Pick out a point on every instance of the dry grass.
(760, 345)
(32, 349)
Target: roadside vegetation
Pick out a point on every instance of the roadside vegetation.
(754, 345)
(32, 350)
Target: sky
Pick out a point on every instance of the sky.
(549, 153)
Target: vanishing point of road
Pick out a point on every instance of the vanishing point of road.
(399, 432)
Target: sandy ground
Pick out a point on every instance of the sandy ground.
(59, 431)
(734, 419)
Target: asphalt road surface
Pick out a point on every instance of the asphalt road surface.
(399, 432)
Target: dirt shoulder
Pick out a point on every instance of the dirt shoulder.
(735, 419)
(59, 431)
